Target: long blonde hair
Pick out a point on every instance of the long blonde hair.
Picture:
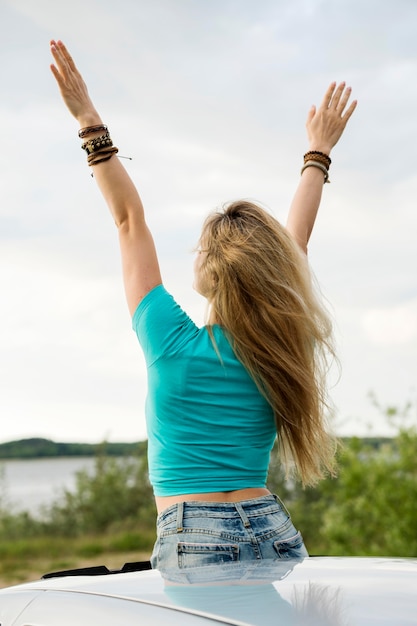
(260, 290)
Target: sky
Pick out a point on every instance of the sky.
(209, 100)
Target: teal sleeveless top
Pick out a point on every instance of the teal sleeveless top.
(209, 428)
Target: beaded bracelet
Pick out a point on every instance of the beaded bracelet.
(97, 144)
(320, 166)
(89, 130)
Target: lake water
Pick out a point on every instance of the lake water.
(29, 484)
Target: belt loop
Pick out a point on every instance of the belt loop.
(180, 515)
(281, 504)
(242, 514)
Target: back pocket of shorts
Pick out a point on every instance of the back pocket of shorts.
(198, 554)
(291, 548)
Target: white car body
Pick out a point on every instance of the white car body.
(317, 591)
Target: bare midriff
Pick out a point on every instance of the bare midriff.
(163, 502)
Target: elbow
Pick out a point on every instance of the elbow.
(122, 223)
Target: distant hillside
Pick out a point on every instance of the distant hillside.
(39, 448)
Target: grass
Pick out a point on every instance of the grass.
(23, 560)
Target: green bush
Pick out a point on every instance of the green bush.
(116, 493)
(370, 509)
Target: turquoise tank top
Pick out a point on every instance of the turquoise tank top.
(209, 429)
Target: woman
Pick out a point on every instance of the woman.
(219, 395)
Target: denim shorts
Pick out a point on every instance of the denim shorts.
(194, 534)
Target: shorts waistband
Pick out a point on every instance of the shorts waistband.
(242, 507)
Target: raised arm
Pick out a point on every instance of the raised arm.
(325, 126)
(139, 260)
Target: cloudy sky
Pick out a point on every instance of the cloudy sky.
(209, 99)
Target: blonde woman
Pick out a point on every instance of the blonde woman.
(218, 396)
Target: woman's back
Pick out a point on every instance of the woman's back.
(209, 427)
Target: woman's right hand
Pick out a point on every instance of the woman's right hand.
(72, 86)
(326, 124)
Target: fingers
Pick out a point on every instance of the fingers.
(343, 99)
(54, 50)
(328, 96)
(340, 101)
(349, 111)
(311, 114)
(66, 56)
(337, 96)
(54, 71)
(336, 99)
(59, 68)
(62, 57)
(340, 108)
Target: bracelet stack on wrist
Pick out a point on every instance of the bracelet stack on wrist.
(100, 148)
(89, 130)
(315, 158)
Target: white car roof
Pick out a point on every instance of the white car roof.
(317, 591)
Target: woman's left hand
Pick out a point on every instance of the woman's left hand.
(72, 86)
(326, 124)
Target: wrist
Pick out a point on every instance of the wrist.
(91, 118)
(320, 147)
